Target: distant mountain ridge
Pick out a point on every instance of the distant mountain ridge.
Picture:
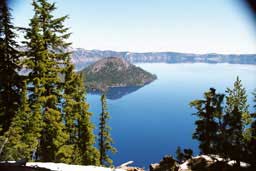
(82, 57)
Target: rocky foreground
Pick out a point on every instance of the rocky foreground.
(198, 163)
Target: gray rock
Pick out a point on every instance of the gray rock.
(166, 164)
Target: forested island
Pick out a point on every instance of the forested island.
(114, 72)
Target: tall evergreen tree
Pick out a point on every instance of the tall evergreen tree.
(78, 120)
(56, 92)
(237, 120)
(105, 141)
(10, 80)
(208, 128)
(46, 55)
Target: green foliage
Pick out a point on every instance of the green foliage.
(237, 120)
(209, 110)
(10, 86)
(77, 119)
(251, 148)
(229, 131)
(254, 99)
(45, 57)
(237, 100)
(49, 119)
(105, 140)
(56, 92)
(22, 136)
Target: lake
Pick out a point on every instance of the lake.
(150, 122)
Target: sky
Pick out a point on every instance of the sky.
(191, 26)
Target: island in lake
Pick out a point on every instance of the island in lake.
(114, 72)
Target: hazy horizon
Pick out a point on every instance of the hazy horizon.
(148, 51)
(223, 27)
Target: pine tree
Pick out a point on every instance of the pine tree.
(56, 92)
(35, 62)
(22, 135)
(9, 65)
(236, 120)
(207, 126)
(251, 144)
(46, 55)
(105, 140)
(78, 121)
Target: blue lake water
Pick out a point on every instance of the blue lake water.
(150, 122)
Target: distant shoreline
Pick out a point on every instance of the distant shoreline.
(82, 58)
